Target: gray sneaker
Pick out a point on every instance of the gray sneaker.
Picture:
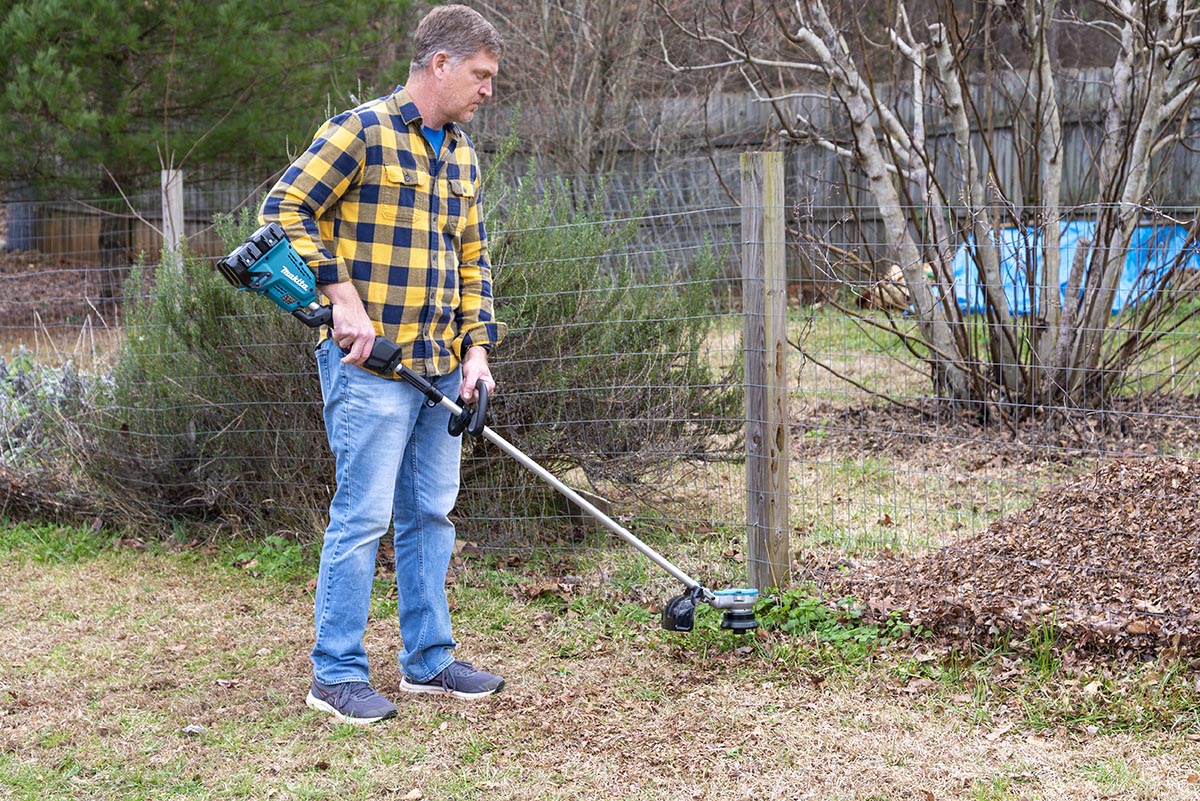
(350, 702)
(459, 680)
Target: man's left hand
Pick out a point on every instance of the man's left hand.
(474, 368)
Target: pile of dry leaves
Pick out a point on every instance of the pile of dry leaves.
(1112, 562)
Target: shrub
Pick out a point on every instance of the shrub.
(602, 369)
(213, 412)
(35, 400)
(37, 405)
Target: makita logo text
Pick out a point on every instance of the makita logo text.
(297, 280)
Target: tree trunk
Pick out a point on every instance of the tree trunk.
(116, 255)
(856, 97)
(116, 228)
(1048, 135)
(1145, 82)
(1002, 339)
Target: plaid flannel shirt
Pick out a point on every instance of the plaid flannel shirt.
(367, 203)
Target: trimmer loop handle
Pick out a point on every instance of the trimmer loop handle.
(473, 418)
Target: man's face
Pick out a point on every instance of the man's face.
(465, 85)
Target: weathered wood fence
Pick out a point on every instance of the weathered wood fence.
(826, 196)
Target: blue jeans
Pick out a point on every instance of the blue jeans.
(395, 463)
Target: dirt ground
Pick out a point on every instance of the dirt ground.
(146, 676)
(48, 292)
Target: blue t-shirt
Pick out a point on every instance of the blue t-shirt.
(435, 136)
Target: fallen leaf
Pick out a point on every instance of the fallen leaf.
(536, 589)
(996, 734)
(918, 685)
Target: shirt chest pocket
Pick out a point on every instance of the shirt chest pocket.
(458, 205)
(403, 194)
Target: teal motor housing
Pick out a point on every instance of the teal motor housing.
(267, 264)
(738, 607)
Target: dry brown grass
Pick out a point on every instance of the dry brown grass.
(109, 661)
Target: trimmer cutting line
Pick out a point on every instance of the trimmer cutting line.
(267, 264)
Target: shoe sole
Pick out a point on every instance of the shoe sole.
(316, 703)
(432, 689)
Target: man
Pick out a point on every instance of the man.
(384, 208)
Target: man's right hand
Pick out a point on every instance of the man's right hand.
(352, 328)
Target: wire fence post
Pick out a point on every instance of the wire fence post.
(764, 313)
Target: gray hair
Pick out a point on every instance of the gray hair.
(456, 29)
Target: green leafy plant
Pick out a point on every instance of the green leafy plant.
(276, 558)
(49, 544)
(38, 404)
(802, 612)
(35, 400)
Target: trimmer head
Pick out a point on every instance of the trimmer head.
(679, 612)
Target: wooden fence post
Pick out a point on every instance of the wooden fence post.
(764, 299)
(172, 215)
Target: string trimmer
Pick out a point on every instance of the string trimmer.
(267, 264)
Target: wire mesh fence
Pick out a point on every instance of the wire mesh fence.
(629, 437)
(975, 511)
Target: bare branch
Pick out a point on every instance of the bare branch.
(808, 357)
(1151, 88)
(1123, 11)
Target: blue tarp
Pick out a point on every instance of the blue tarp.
(1153, 251)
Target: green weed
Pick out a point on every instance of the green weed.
(996, 788)
(276, 558)
(475, 749)
(802, 612)
(1046, 649)
(1112, 775)
(51, 544)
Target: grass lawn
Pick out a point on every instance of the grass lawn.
(152, 674)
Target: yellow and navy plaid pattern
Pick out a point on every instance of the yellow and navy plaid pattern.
(368, 203)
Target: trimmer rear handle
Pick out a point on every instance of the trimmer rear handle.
(315, 318)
